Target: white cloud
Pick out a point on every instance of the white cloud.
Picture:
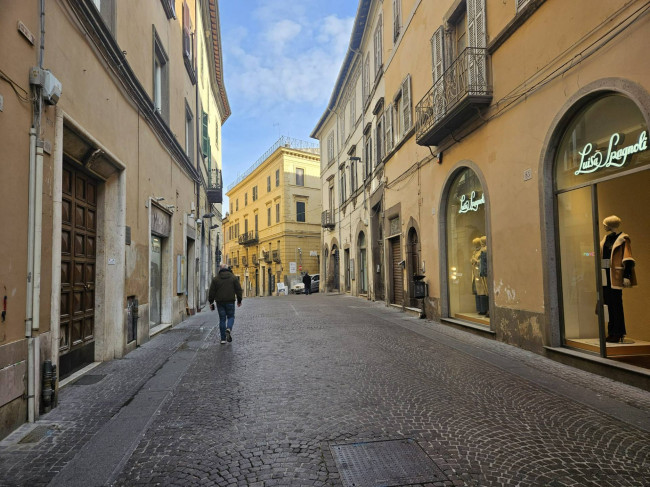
(293, 61)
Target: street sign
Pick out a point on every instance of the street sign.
(292, 267)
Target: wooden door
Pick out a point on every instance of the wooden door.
(78, 249)
(398, 277)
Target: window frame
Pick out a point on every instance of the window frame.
(301, 181)
(304, 211)
(160, 83)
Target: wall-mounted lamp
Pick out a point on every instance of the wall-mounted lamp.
(214, 226)
(198, 221)
(208, 215)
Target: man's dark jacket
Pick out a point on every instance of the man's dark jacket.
(306, 280)
(225, 288)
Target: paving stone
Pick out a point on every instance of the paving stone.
(304, 374)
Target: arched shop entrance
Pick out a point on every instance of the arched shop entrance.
(466, 250)
(602, 174)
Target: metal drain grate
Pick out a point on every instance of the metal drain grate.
(86, 380)
(38, 433)
(385, 463)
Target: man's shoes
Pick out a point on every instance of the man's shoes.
(223, 342)
(228, 335)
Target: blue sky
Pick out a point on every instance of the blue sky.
(281, 59)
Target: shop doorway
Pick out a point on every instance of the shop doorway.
(363, 266)
(467, 257)
(335, 269)
(346, 263)
(155, 282)
(601, 174)
(413, 264)
(78, 265)
(397, 271)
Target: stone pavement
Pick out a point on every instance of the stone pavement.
(308, 376)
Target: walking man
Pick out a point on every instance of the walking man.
(306, 280)
(225, 289)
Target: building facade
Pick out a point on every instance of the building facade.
(272, 229)
(503, 154)
(101, 144)
(351, 135)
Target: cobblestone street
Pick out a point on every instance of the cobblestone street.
(307, 374)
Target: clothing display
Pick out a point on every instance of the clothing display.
(617, 266)
(477, 285)
(482, 271)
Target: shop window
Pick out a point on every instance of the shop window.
(603, 158)
(467, 252)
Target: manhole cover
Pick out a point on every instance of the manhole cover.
(87, 380)
(38, 433)
(385, 463)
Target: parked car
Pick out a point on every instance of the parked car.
(297, 288)
(315, 281)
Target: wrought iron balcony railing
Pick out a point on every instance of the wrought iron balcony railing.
(266, 256)
(276, 256)
(244, 261)
(254, 259)
(454, 97)
(248, 238)
(235, 263)
(327, 219)
(215, 187)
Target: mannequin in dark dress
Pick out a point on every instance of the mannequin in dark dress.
(612, 297)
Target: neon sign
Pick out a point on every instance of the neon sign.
(471, 204)
(593, 160)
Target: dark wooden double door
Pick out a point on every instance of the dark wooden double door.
(78, 268)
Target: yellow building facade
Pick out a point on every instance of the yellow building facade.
(512, 129)
(272, 229)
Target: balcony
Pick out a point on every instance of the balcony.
(235, 262)
(248, 238)
(254, 259)
(214, 191)
(244, 261)
(327, 219)
(276, 256)
(455, 98)
(266, 256)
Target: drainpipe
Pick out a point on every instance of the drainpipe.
(34, 232)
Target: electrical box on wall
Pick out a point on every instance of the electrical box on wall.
(48, 82)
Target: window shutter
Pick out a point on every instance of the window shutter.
(437, 53)
(388, 118)
(521, 4)
(476, 38)
(406, 103)
(204, 134)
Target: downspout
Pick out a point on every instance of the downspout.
(34, 234)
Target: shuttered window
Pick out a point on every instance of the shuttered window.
(388, 120)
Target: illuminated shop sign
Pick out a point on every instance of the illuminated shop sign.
(593, 160)
(471, 203)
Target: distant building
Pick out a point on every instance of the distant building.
(272, 231)
(110, 182)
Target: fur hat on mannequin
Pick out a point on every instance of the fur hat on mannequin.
(612, 222)
(483, 240)
(476, 242)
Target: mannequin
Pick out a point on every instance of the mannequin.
(482, 290)
(476, 279)
(617, 266)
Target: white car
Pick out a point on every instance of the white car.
(297, 288)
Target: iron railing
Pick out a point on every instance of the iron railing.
(281, 142)
(266, 256)
(276, 256)
(248, 238)
(327, 219)
(466, 77)
(244, 261)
